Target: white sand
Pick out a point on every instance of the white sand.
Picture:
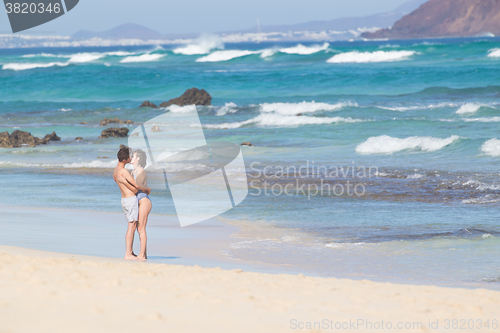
(51, 292)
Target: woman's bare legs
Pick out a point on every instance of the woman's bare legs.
(129, 241)
(144, 210)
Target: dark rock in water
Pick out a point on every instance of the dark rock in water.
(299, 114)
(148, 104)
(83, 123)
(191, 96)
(114, 132)
(107, 121)
(24, 139)
(78, 138)
(52, 137)
(247, 144)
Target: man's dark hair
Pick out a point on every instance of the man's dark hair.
(143, 159)
(123, 154)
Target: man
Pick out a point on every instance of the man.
(128, 188)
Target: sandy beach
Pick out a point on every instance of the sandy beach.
(55, 292)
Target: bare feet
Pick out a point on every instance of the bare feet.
(142, 258)
(130, 257)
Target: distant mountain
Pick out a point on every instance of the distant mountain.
(446, 18)
(136, 31)
(348, 23)
(127, 30)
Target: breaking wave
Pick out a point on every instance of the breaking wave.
(303, 107)
(226, 55)
(142, 58)
(202, 46)
(304, 50)
(282, 121)
(491, 147)
(85, 57)
(227, 108)
(494, 53)
(366, 57)
(181, 109)
(25, 66)
(468, 108)
(386, 145)
(76, 58)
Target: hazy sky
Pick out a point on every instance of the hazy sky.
(203, 15)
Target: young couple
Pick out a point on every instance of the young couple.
(135, 200)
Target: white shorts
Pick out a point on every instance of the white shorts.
(131, 208)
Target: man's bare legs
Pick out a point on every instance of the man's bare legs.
(129, 241)
(144, 210)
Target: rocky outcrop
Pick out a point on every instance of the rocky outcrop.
(51, 137)
(191, 96)
(107, 121)
(446, 18)
(247, 144)
(24, 139)
(114, 132)
(148, 104)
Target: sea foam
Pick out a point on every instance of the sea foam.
(494, 53)
(227, 108)
(76, 58)
(181, 109)
(25, 66)
(226, 55)
(468, 108)
(85, 57)
(203, 45)
(142, 58)
(386, 145)
(49, 55)
(366, 57)
(279, 120)
(484, 119)
(491, 147)
(303, 107)
(417, 107)
(304, 50)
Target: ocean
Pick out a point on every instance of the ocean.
(370, 159)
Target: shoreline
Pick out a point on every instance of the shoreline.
(102, 234)
(64, 292)
(218, 242)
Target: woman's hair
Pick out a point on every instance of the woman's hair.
(143, 159)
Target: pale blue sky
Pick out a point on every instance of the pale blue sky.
(181, 16)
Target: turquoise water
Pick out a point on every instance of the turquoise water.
(417, 120)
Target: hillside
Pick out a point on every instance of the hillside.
(446, 18)
(381, 20)
(127, 30)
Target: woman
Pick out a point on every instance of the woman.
(138, 161)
